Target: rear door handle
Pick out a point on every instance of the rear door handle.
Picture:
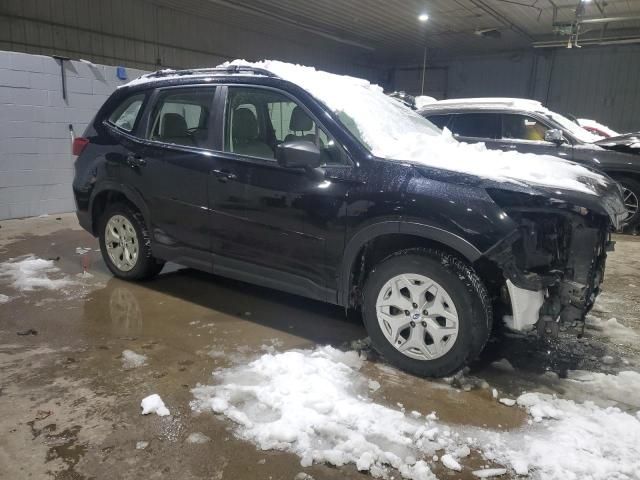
(224, 176)
(134, 160)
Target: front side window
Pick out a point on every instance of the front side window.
(181, 116)
(476, 125)
(522, 127)
(258, 120)
(126, 114)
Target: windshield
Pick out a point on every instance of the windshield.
(573, 128)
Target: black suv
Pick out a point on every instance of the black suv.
(514, 124)
(236, 171)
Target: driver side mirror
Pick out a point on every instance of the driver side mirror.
(554, 136)
(298, 154)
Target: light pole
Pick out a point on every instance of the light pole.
(423, 18)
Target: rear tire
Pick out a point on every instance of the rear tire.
(449, 315)
(125, 244)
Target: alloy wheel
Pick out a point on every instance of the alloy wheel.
(121, 241)
(631, 202)
(417, 316)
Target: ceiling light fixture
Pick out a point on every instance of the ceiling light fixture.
(423, 17)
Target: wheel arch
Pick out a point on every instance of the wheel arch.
(110, 192)
(376, 241)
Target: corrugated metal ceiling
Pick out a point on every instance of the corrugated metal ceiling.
(385, 29)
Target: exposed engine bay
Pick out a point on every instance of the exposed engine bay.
(553, 265)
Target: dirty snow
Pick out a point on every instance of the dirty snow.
(154, 404)
(29, 273)
(612, 329)
(316, 404)
(131, 359)
(489, 472)
(390, 130)
(622, 388)
(4, 298)
(198, 438)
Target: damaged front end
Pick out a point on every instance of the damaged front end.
(553, 263)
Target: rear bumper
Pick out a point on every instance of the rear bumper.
(84, 219)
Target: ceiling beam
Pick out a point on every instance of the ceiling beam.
(481, 4)
(257, 11)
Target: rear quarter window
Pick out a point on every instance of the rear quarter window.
(125, 116)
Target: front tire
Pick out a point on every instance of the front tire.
(631, 195)
(125, 244)
(426, 311)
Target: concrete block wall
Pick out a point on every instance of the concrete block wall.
(36, 165)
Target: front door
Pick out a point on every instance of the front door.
(279, 222)
(525, 134)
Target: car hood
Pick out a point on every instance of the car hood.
(628, 143)
(607, 201)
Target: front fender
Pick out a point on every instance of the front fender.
(388, 227)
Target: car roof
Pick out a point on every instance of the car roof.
(169, 75)
(502, 103)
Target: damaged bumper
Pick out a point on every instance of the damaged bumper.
(553, 265)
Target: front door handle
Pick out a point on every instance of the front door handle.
(224, 176)
(135, 161)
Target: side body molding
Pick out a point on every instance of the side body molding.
(372, 231)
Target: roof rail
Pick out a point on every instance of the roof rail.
(231, 69)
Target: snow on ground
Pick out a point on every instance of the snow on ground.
(29, 273)
(316, 404)
(623, 388)
(569, 441)
(612, 329)
(4, 298)
(131, 359)
(154, 404)
(390, 130)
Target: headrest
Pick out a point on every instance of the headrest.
(245, 125)
(173, 126)
(300, 121)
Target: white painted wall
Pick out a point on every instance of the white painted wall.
(36, 165)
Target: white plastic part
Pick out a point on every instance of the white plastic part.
(526, 307)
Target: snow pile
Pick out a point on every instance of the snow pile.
(315, 404)
(131, 359)
(30, 273)
(154, 404)
(390, 130)
(571, 441)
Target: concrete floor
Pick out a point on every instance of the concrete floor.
(69, 410)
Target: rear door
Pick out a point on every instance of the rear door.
(178, 155)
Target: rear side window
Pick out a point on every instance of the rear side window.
(439, 121)
(477, 125)
(181, 116)
(126, 114)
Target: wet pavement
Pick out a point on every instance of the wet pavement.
(70, 410)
